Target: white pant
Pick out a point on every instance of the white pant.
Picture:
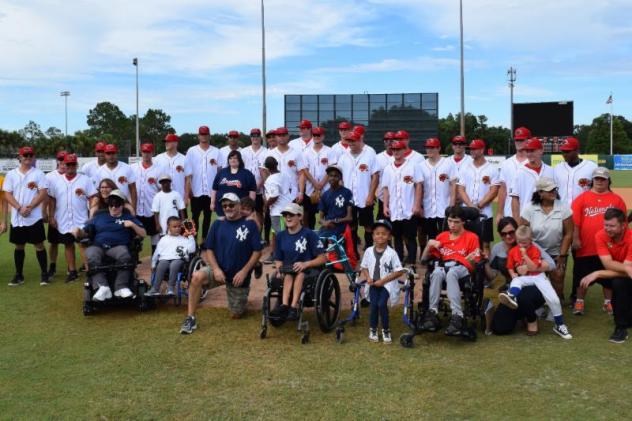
(452, 286)
(544, 285)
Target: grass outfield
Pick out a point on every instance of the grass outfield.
(56, 363)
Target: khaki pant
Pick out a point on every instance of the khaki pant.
(237, 296)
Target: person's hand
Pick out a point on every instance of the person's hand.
(370, 200)
(187, 201)
(434, 244)
(299, 198)
(75, 232)
(418, 211)
(239, 278)
(22, 210)
(577, 244)
(523, 251)
(522, 270)
(587, 280)
(218, 276)
(3, 227)
(473, 255)
(387, 212)
(500, 214)
(299, 266)
(560, 264)
(325, 223)
(128, 224)
(52, 222)
(212, 206)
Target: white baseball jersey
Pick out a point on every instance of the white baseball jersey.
(89, 169)
(291, 163)
(146, 186)
(202, 166)
(477, 182)
(573, 181)
(383, 159)
(223, 155)
(400, 183)
(317, 163)
(173, 247)
(277, 185)
(467, 159)
(437, 186)
(72, 201)
(524, 183)
(506, 174)
(174, 167)
(300, 145)
(25, 187)
(389, 263)
(122, 175)
(337, 150)
(253, 160)
(357, 172)
(166, 205)
(413, 155)
(51, 176)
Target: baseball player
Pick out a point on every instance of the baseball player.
(90, 168)
(119, 172)
(572, 176)
(508, 171)
(523, 185)
(409, 154)
(340, 147)
(53, 235)
(173, 163)
(147, 174)
(304, 142)
(383, 159)
(254, 156)
(233, 137)
(459, 158)
(291, 164)
(200, 168)
(317, 158)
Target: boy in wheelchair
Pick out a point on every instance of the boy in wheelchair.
(172, 251)
(297, 250)
(458, 251)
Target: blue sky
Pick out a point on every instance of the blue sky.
(200, 59)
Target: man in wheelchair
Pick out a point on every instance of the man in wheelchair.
(111, 231)
(458, 251)
(297, 250)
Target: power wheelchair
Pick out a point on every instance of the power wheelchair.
(472, 289)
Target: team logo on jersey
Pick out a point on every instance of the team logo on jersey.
(486, 179)
(301, 245)
(408, 179)
(291, 163)
(174, 204)
(443, 177)
(388, 267)
(122, 180)
(213, 161)
(340, 201)
(595, 210)
(324, 161)
(79, 192)
(151, 180)
(231, 183)
(242, 233)
(363, 167)
(583, 182)
(32, 185)
(180, 168)
(180, 252)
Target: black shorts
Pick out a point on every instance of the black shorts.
(149, 223)
(487, 231)
(32, 234)
(259, 203)
(363, 216)
(53, 235)
(432, 227)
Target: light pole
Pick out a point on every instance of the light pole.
(65, 94)
(462, 76)
(135, 63)
(263, 68)
(511, 77)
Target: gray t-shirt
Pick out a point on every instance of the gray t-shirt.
(548, 229)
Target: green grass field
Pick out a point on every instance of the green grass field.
(57, 364)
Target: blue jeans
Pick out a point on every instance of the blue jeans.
(378, 296)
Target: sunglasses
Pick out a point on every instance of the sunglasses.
(317, 135)
(105, 188)
(115, 204)
(28, 155)
(288, 215)
(71, 164)
(507, 233)
(60, 159)
(228, 205)
(110, 153)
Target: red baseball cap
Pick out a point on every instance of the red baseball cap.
(398, 144)
(61, 155)
(532, 144)
(270, 133)
(281, 131)
(432, 142)
(233, 133)
(172, 137)
(459, 139)
(318, 131)
(70, 158)
(570, 144)
(477, 144)
(99, 147)
(522, 133)
(353, 137)
(255, 132)
(305, 124)
(26, 149)
(344, 125)
(389, 136)
(402, 134)
(359, 129)
(146, 147)
(203, 130)
(111, 148)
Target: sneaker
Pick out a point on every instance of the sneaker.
(16, 281)
(188, 326)
(102, 294)
(430, 321)
(170, 291)
(280, 312)
(619, 336)
(508, 299)
(52, 270)
(72, 276)
(123, 293)
(455, 326)
(364, 303)
(152, 292)
(563, 331)
(373, 335)
(578, 308)
(45, 279)
(607, 307)
(386, 336)
(292, 313)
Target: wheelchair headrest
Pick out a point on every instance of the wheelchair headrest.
(468, 214)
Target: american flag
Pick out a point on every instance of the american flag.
(609, 101)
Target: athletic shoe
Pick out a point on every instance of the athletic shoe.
(52, 270)
(258, 271)
(455, 326)
(72, 276)
(188, 326)
(578, 308)
(170, 291)
(123, 293)
(45, 279)
(364, 303)
(292, 313)
(430, 321)
(563, 331)
(373, 335)
(152, 292)
(508, 300)
(280, 312)
(102, 294)
(16, 281)
(607, 307)
(619, 336)
(386, 336)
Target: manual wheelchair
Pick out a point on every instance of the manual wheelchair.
(193, 262)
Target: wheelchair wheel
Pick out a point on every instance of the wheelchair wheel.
(327, 300)
(194, 265)
(406, 340)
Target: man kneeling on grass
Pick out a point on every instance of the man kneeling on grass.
(297, 249)
(231, 249)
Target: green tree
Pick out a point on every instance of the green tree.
(31, 132)
(108, 119)
(599, 136)
(10, 142)
(154, 126)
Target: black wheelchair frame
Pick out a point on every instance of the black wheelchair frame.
(193, 263)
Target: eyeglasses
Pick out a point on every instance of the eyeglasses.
(507, 233)
(27, 155)
(547, 191)
(115, 204)
(228, 205)
(289, 215)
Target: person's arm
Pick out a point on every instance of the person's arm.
(364, 276)
(426, 253)
(157, 222)
(610, 264)
(138, 230)
(252, 195)
(348, 217)
(567, 232)
(311, 179)
(386, 197)
(218, 273)
(540, 266)
(10, 200)
(318, 261)
(460, 190)
(452, 193)
(602, 274)
(240, 276)
(187, 190)
(489, 197)
(388, 278)
(417, 208)
(52, 207)
(375, 179)
(301, 186)
(4, 216)
(133, 197)
(502, 198)
(515, 207)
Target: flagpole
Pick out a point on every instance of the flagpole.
(611, 101)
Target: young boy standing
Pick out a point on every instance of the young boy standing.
(166, 203)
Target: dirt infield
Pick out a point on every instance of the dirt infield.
(625, 193)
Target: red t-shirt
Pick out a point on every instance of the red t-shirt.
(514, 258)
(458, 248)
(588, 210)
(620, 252)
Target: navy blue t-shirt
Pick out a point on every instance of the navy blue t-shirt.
(233, 243)
(334, 203)
(303, 246)
(110, 231)
(240, 183)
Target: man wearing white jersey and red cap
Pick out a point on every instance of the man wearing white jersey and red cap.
(508, 171)
(233, 137)
(173, 163)
(90, 168)
(304, 142)
(383, 159)
(254, 157)
(119, 172)
(317, 158)
(340, 147)
(147, 173)
(291, 164)
(574, 174)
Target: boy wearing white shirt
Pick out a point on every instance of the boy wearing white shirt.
(173, 162)
(317, 158)
(119, 172)
(166, 203)
(277, 196)
(25, 189)
(147, 173)
(53, 235)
